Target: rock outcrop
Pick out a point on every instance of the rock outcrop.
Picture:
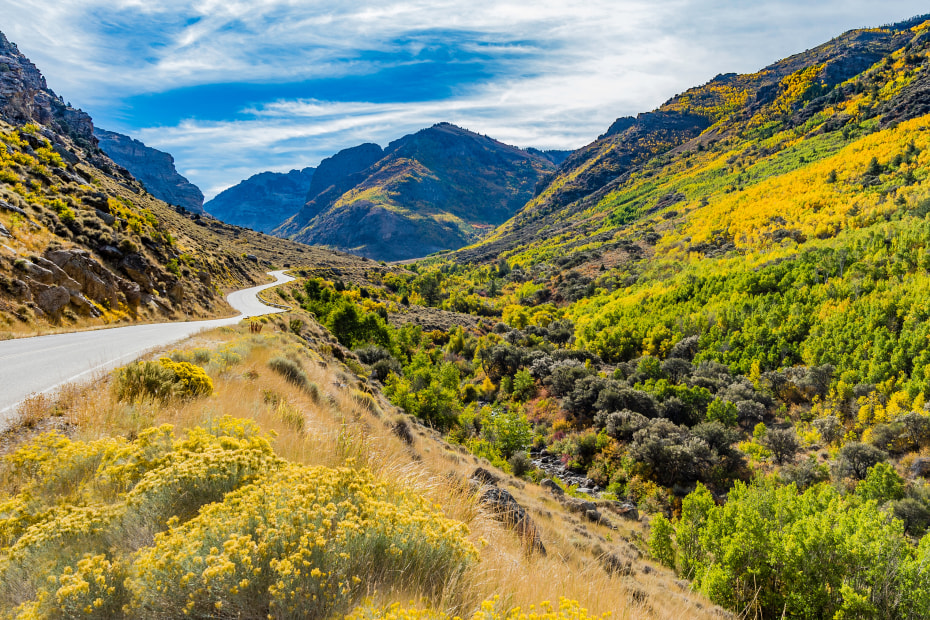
(25, 97)
(154, 168)
(263, 201)
(507, 509)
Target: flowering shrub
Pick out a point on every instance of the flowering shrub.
(566, 610)
(162, 380)
(212, 524)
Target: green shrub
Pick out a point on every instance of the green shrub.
(294, 373)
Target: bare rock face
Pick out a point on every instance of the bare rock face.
(25, 97)
(138, 269)
(92, 279)
(53, 299)
(153, 167)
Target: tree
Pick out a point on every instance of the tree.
(508, 430)
(430, 288)
(782, 442)
(855, 459)
(722, 411)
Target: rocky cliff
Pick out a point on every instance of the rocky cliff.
(25, 97)
(153, 167)
(263, 201)
(440, 188)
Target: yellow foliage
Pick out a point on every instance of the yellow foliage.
(566, 610)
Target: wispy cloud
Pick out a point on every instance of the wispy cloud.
(232, 87)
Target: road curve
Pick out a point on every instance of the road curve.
(43, 363)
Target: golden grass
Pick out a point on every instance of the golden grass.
(339, 428)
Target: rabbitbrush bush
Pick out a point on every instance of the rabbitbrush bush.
(211, 524)
(162, 380)
(566, 610)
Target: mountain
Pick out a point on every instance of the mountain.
(82, 243)
(437, 189)
(621, 176)
(263, 201)
(153, 167)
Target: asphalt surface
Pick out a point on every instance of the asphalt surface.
(44, 363)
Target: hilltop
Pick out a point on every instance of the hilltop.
(437, 189)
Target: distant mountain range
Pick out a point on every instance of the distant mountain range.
(440, 188)
(263, 201)
(154, 168)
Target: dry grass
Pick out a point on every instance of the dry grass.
(338, 428)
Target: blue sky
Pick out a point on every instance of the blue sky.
(234, 87)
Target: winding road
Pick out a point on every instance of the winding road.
(43, 363)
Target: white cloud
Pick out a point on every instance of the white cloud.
(566, 69)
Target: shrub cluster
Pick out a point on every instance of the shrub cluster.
(212, 524)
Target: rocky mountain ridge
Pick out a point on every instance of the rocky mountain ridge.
(437, 189)
(82, 243)
(25, 97)
(154, 168)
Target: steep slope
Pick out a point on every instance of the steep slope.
(434, 190)
(153, 167)
(728, 112)
(263, 201)
(83, 244)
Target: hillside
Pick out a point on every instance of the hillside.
(438, 189)
(84, 244)
(717, 311)
(263, 201)
(154, 168)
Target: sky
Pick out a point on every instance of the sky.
(235, 87)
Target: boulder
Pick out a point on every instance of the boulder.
(52, 299)
(176, 291)
(551, 486)
(483, 476)
(4, 232)
(132, 291)
(35, 272)
(108, 251)
(624, 509)
(59, 276)
(579, 505)
(138, 269)
(20, 290)
(83, 305)
(514, 516)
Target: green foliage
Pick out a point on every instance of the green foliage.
(774, 552)
(660, 540)
(882, 484)
(722, 411)
(508, 430)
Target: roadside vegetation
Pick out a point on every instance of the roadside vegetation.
(266, 495)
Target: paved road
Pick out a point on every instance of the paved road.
(42, 363)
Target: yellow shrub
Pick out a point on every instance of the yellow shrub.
(567, 610)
